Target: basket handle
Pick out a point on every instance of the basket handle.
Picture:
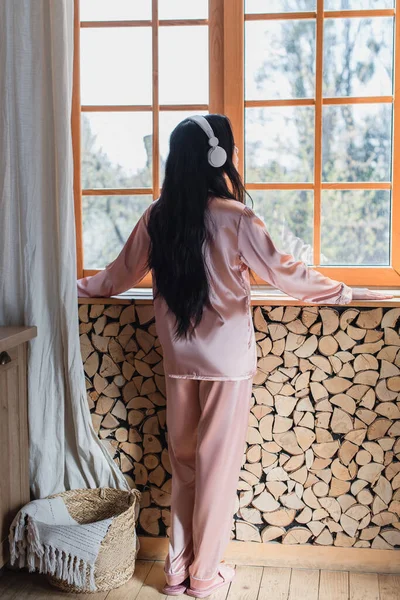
(135, 495)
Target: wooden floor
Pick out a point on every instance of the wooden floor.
(251, 583)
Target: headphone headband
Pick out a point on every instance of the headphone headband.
(216, 155)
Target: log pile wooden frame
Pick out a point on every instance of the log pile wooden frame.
(322, 458)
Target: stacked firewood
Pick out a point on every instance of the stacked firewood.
(322, 458)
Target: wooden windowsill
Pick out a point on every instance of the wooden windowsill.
(13, 336)
(260, 296)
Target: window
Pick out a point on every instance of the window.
(309, 86)
(141, 68)
(318, 132)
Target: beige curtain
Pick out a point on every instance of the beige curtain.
(37, 242)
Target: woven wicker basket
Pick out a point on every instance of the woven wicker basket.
(115, 562)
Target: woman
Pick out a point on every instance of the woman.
(200, 240)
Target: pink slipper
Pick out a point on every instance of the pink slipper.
(176, 590)
(227, 574)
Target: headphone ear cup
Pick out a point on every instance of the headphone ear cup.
(217, 156)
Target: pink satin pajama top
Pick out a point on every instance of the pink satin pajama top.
(223, 345)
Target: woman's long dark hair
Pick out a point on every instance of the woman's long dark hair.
(178, 225)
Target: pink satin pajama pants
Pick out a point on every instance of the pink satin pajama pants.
(207, 425)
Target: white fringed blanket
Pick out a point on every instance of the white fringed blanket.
(44, 536)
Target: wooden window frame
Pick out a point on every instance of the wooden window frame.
(226, 84)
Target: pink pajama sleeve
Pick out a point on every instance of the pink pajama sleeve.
(126, 271)
(281, 270)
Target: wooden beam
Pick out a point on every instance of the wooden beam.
(234, 71)
(379, 277)
(143, 23)
(311, 101)
(156, 108)
(140, 107)
(396, 152)
(342, 185)
(76, 143)
(364, 560)
(216, 56)
(118, 192)
(318, 131)
(282, 16)
(279, 186)
(328, 14)
(357, 185)
(359, 100)
(359, 14)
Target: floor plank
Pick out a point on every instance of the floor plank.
(131, 589)
(364, 586)
(221, 594)
(275, 584)
(153, 584)
(12, 585)
(304, 584)
(246, 584)
(333, 584)
(389, 587)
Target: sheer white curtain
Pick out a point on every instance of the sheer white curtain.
(37, 241)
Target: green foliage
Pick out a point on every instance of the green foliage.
(108, 220)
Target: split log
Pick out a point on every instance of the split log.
(297, 535)
(288, 442)
(378, 428)
(282, 517)
(337, 385)
(149, 520)
(356, 333)
(250, 515)
(328, 345)
(265, 502)
(276, 488)
(338, 487)
(344, 541)
(270, 533)
(347, 317)
(326, 450)
(370, 319)
(370, 472)
(341, 421)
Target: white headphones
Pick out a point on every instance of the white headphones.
(216, 155)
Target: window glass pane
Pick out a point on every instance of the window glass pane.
(183, 65)
(117, 10)
(107, 224)
(357, 4)
(288, 216)
(274, 6)
(279, 144)
(358, 57)
(279, 59)
(116, 150)
(355, 227)
(182, 9)
(168, 121)
(109, 72)
(356, 142)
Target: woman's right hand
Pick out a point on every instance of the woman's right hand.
(372, 295)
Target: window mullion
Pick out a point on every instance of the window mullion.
(76, 142)
(234, 71)
(395, 238)
(318, 131)
(156, 107)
